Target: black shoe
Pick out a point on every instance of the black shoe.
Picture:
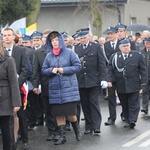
(50, 138)
(109, 122)
(127, 125)
(88, 131)
(145, 111)
(97, 131)
(67, 128)
(60, 141)
(25, 146)
(122, 117)
(106, 98)
(30, 128)
(132, 125)
(39, 124)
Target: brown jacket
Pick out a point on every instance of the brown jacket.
(9, 87)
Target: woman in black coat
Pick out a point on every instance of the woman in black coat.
(10, 100)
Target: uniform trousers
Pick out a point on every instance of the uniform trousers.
(131, 105)
(49, 118)
(6, 131)
(112, 102)
(145, 96)
(90, 107)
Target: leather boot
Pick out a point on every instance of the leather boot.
(76, 130)
(62, 137)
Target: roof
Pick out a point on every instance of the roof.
(52, 3)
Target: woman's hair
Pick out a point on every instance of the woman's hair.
(1, 48)
(53, 35)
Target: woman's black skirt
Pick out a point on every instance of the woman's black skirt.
(67, 109)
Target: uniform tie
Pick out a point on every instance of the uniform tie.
(125, 56)
(113, 45)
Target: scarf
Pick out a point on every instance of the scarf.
(56, 52)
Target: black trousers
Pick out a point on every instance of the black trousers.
(131, 105)
(90, 107)
(40, 109)
(23, 126)
(6, 132)
(49, 118)
(145, 96)
(112, 102)
(32, 108)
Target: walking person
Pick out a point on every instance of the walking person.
(10, 100)
(92, 75)
(61, 65)
(145, 93)
(130, 73)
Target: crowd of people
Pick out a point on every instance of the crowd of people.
(46, 79)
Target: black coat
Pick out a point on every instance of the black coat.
(146, 56)
(39, 56)
(93, 65)
(21, 59)
(134, 73)
(108, 50)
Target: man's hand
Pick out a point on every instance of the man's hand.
(109, 84)
(36, 90)
(104, 84)
(16, 109)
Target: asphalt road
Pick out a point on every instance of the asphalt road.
(114, 137)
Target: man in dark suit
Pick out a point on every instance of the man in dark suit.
(145, 93)
(90, 78)
(39, 56)
(111, 47)
(121, 34)
(130, 73)
(19, 54)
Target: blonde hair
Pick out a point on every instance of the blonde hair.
(1, 48)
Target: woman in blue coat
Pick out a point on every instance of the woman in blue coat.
(61, 65)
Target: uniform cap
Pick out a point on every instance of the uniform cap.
(147, 39)
(111, 29)
(120, 26)
(76, 36)
(26, 38)
(65, 35)
(124, 42)
(36, 34)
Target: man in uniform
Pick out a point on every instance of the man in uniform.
(121, 34)
(39, 56)
(145, 94)
(90, 78)
(111, 47)
(37, 44)
(129, 70)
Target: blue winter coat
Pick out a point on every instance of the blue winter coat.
(63, 88)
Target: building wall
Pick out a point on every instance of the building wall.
(63, 19)
(138, 9)
(72, 18)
